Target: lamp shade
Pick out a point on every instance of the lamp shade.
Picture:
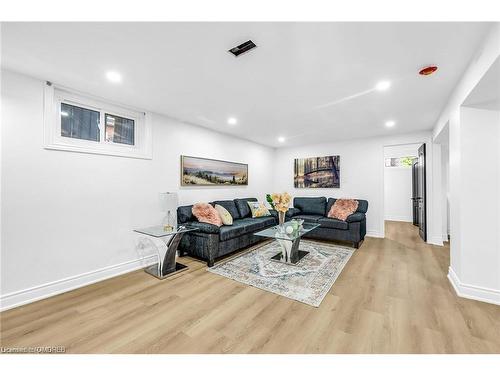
(168, 201)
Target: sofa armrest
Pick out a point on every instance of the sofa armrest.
(203, 227)
(357, 216)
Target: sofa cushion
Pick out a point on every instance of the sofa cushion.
(233, 231)
(203, 227)
(309, 218)
(362, 205)
(258, 209)
(225, 216)
(333, 223)
(206, 213)
(242, 206)
(266, 221)
(185, 214)
(255, 224)
(244, 226)
(342, 208)
(230, 206)
(329, 204)
(311, 205)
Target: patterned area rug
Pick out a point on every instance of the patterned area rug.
(308, 281)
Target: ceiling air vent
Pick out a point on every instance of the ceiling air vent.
(242, 48)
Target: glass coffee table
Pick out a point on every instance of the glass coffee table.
(289, 242)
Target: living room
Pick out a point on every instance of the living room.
(229, 189)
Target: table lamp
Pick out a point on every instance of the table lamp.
(169, 202)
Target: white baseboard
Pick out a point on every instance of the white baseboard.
(22, 297)
(373, 233)
(406, 219)
(472, 291)
(435, 240)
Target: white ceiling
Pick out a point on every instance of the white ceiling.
(183, 70)
(486, 94)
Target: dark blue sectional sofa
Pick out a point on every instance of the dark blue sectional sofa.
(211, 242)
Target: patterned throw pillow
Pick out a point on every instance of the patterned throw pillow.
(205, 213)
(226, 217)
(342, 208)
(258, 209)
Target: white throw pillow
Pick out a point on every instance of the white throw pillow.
(226, 217)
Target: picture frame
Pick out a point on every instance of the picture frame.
(198, 171)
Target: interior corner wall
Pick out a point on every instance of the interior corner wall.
(67, 217)
(479, 189)
(485, 56)
(455, 180)
(361, 172)
(474, 203)
(445, 193)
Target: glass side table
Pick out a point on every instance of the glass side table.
(165, 243)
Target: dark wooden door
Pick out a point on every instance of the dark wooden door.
(414, 191)
(421, 193)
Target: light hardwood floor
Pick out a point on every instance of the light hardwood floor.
(393, 296)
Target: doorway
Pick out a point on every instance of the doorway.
(404, 186)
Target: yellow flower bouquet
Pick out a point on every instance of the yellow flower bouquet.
(280, 202)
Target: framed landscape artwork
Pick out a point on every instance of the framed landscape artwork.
(319, 172)
(209, 172)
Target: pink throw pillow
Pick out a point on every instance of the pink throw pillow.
(205, 213)
(342, 208)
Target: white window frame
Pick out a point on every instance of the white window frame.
(54, 96)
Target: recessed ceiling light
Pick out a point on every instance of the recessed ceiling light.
(390, 123)
(383, 85)
(232, 121)
(114, 77)
(281, 139)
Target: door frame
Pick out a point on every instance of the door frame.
(424, 198)
(419, 140)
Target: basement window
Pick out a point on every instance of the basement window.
(119, 129)
(402, 162)
(78, 123)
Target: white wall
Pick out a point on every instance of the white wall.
(475, 217)
(68, 217)
(361, 173)
(398, 184)
(480, 187)
(471, 270)
(455, 193)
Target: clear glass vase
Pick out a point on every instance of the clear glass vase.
(281, 217)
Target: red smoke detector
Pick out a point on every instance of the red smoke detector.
(428, 70)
